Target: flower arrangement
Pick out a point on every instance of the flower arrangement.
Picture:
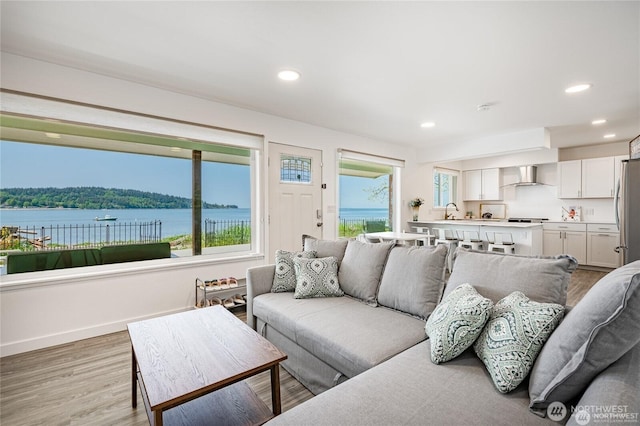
(416, 202)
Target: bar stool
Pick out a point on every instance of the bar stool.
(447, 237)
(501, 242)
(429, 238)
(470, 240)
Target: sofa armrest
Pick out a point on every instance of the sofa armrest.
(259, 281)
(617, 386)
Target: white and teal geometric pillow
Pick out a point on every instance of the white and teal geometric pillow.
(316, 278)
(457, 322)
(285, 277)
(514, 336)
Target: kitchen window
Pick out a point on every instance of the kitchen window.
(445, 187)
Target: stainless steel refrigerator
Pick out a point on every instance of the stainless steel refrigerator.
(627, 209)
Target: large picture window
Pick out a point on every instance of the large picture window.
(70, 186)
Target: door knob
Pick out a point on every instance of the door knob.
(319, 224)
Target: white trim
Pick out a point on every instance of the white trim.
(354, 155)
(83, 274)
(34, 106)
(68, 336)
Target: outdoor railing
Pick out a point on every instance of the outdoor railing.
(226, 232)
(353, 227)
(91, 235)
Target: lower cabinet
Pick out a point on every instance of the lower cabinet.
(591, 244)
(565, 238)
(601, 243)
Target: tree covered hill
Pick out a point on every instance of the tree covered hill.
(96, 198)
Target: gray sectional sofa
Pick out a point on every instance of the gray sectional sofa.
(373, 339)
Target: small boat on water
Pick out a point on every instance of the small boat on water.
(106, 218)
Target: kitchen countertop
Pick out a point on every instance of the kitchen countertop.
(478, 222)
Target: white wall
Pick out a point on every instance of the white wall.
(39, 311)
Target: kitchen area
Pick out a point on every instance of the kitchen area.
(569, 206)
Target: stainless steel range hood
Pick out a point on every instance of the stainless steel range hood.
(528, 176)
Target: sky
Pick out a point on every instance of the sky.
(26, 165)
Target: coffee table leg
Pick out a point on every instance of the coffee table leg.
(275, 389)
(134, 378)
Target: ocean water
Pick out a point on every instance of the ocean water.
(174, 221)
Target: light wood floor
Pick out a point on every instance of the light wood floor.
(88, 382)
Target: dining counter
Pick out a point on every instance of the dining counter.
(526, 236)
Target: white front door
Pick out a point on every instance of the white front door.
(295, 196)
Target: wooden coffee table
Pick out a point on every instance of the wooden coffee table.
(191, 367)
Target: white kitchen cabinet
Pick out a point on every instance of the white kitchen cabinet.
(590, 178)
(602, 239)
(598, 177)
(482, 184)
(570, 179)
(565, 238)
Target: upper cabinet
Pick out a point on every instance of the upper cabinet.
(570, 179)
(482, 185)
(591, 178)
(597, 177)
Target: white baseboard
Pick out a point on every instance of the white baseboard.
(40, 342)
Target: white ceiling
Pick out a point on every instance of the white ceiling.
(376, 69)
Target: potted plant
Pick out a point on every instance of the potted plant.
(415, 206)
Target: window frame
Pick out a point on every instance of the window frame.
(453, 175)
(395, 178)
(180, 140)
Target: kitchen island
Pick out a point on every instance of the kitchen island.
(526, 236)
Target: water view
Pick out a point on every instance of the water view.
(174, 223)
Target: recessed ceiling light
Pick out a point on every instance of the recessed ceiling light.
(176, 149)
(610, 135)
(53, 135)
(578, 88)
(289, 75)
(598, 121)
(427, 124)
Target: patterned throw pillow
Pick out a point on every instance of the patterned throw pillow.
(457, 322)
(513, 337)
(285, 278)
(316, 278)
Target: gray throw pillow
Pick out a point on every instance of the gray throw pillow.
(361, 269)
(413, 279)
(513, 337)
(599, 330)
(496, 275)
(284, 278)
(457, 322)
(326, 248)
(316, 278)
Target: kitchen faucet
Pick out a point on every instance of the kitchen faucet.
(446, 215)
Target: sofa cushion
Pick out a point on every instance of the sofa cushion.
(616, 386)
(457, 322)
(409, 389)
(316, 278)
(326, 248)
(601, 328)
(361, 269)
(513, 338)
(496, 275)
(343, 332)
(285, 275)
(413, 279)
